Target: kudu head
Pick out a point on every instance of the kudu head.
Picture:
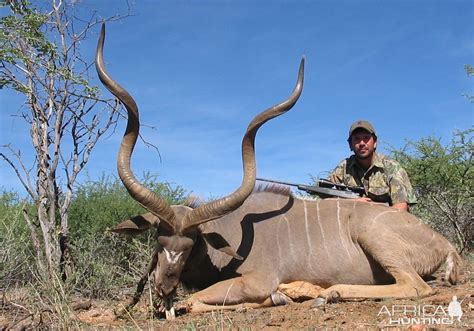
(179, 225)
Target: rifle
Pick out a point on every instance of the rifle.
(325, 188)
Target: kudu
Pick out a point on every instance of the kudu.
(352, 249)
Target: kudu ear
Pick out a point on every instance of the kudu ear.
(218, 242)
(136, 224)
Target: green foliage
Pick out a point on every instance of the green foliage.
(433, 165)
(104, 262)
(23, 42)
(469, 69)
(27, 45)
(443, 177)
(101, 204)
(16, 255)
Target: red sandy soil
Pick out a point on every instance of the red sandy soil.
(360, 315)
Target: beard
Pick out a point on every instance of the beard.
(364, 155)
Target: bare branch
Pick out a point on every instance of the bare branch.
(25, 181)
(150, 145)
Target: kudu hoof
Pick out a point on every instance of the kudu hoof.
(318, 303)
(170, 314)
(279, 299)
(333, 297)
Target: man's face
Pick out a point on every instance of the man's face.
(363, 144)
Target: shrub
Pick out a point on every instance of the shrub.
(443, 178)
(104, 261)
(16, 256)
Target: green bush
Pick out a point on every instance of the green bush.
(101, 204)
(104, 262)
(443, 178)
(16, 256)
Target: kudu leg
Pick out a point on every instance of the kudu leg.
(300, 290)
(286, 293)
(389, 254)
(400, 289)
(248, 291)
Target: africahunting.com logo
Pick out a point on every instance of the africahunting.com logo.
(424, 314)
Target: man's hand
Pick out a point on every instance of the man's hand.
(363, 199)
(401, 206)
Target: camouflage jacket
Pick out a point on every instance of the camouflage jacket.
(385, 181)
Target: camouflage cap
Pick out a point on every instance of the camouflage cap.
(361, 124)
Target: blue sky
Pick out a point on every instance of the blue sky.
(200, 71)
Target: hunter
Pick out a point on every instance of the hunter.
(384, 179)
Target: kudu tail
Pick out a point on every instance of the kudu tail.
(453, 266)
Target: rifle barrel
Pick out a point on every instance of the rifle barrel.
(276, 181)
